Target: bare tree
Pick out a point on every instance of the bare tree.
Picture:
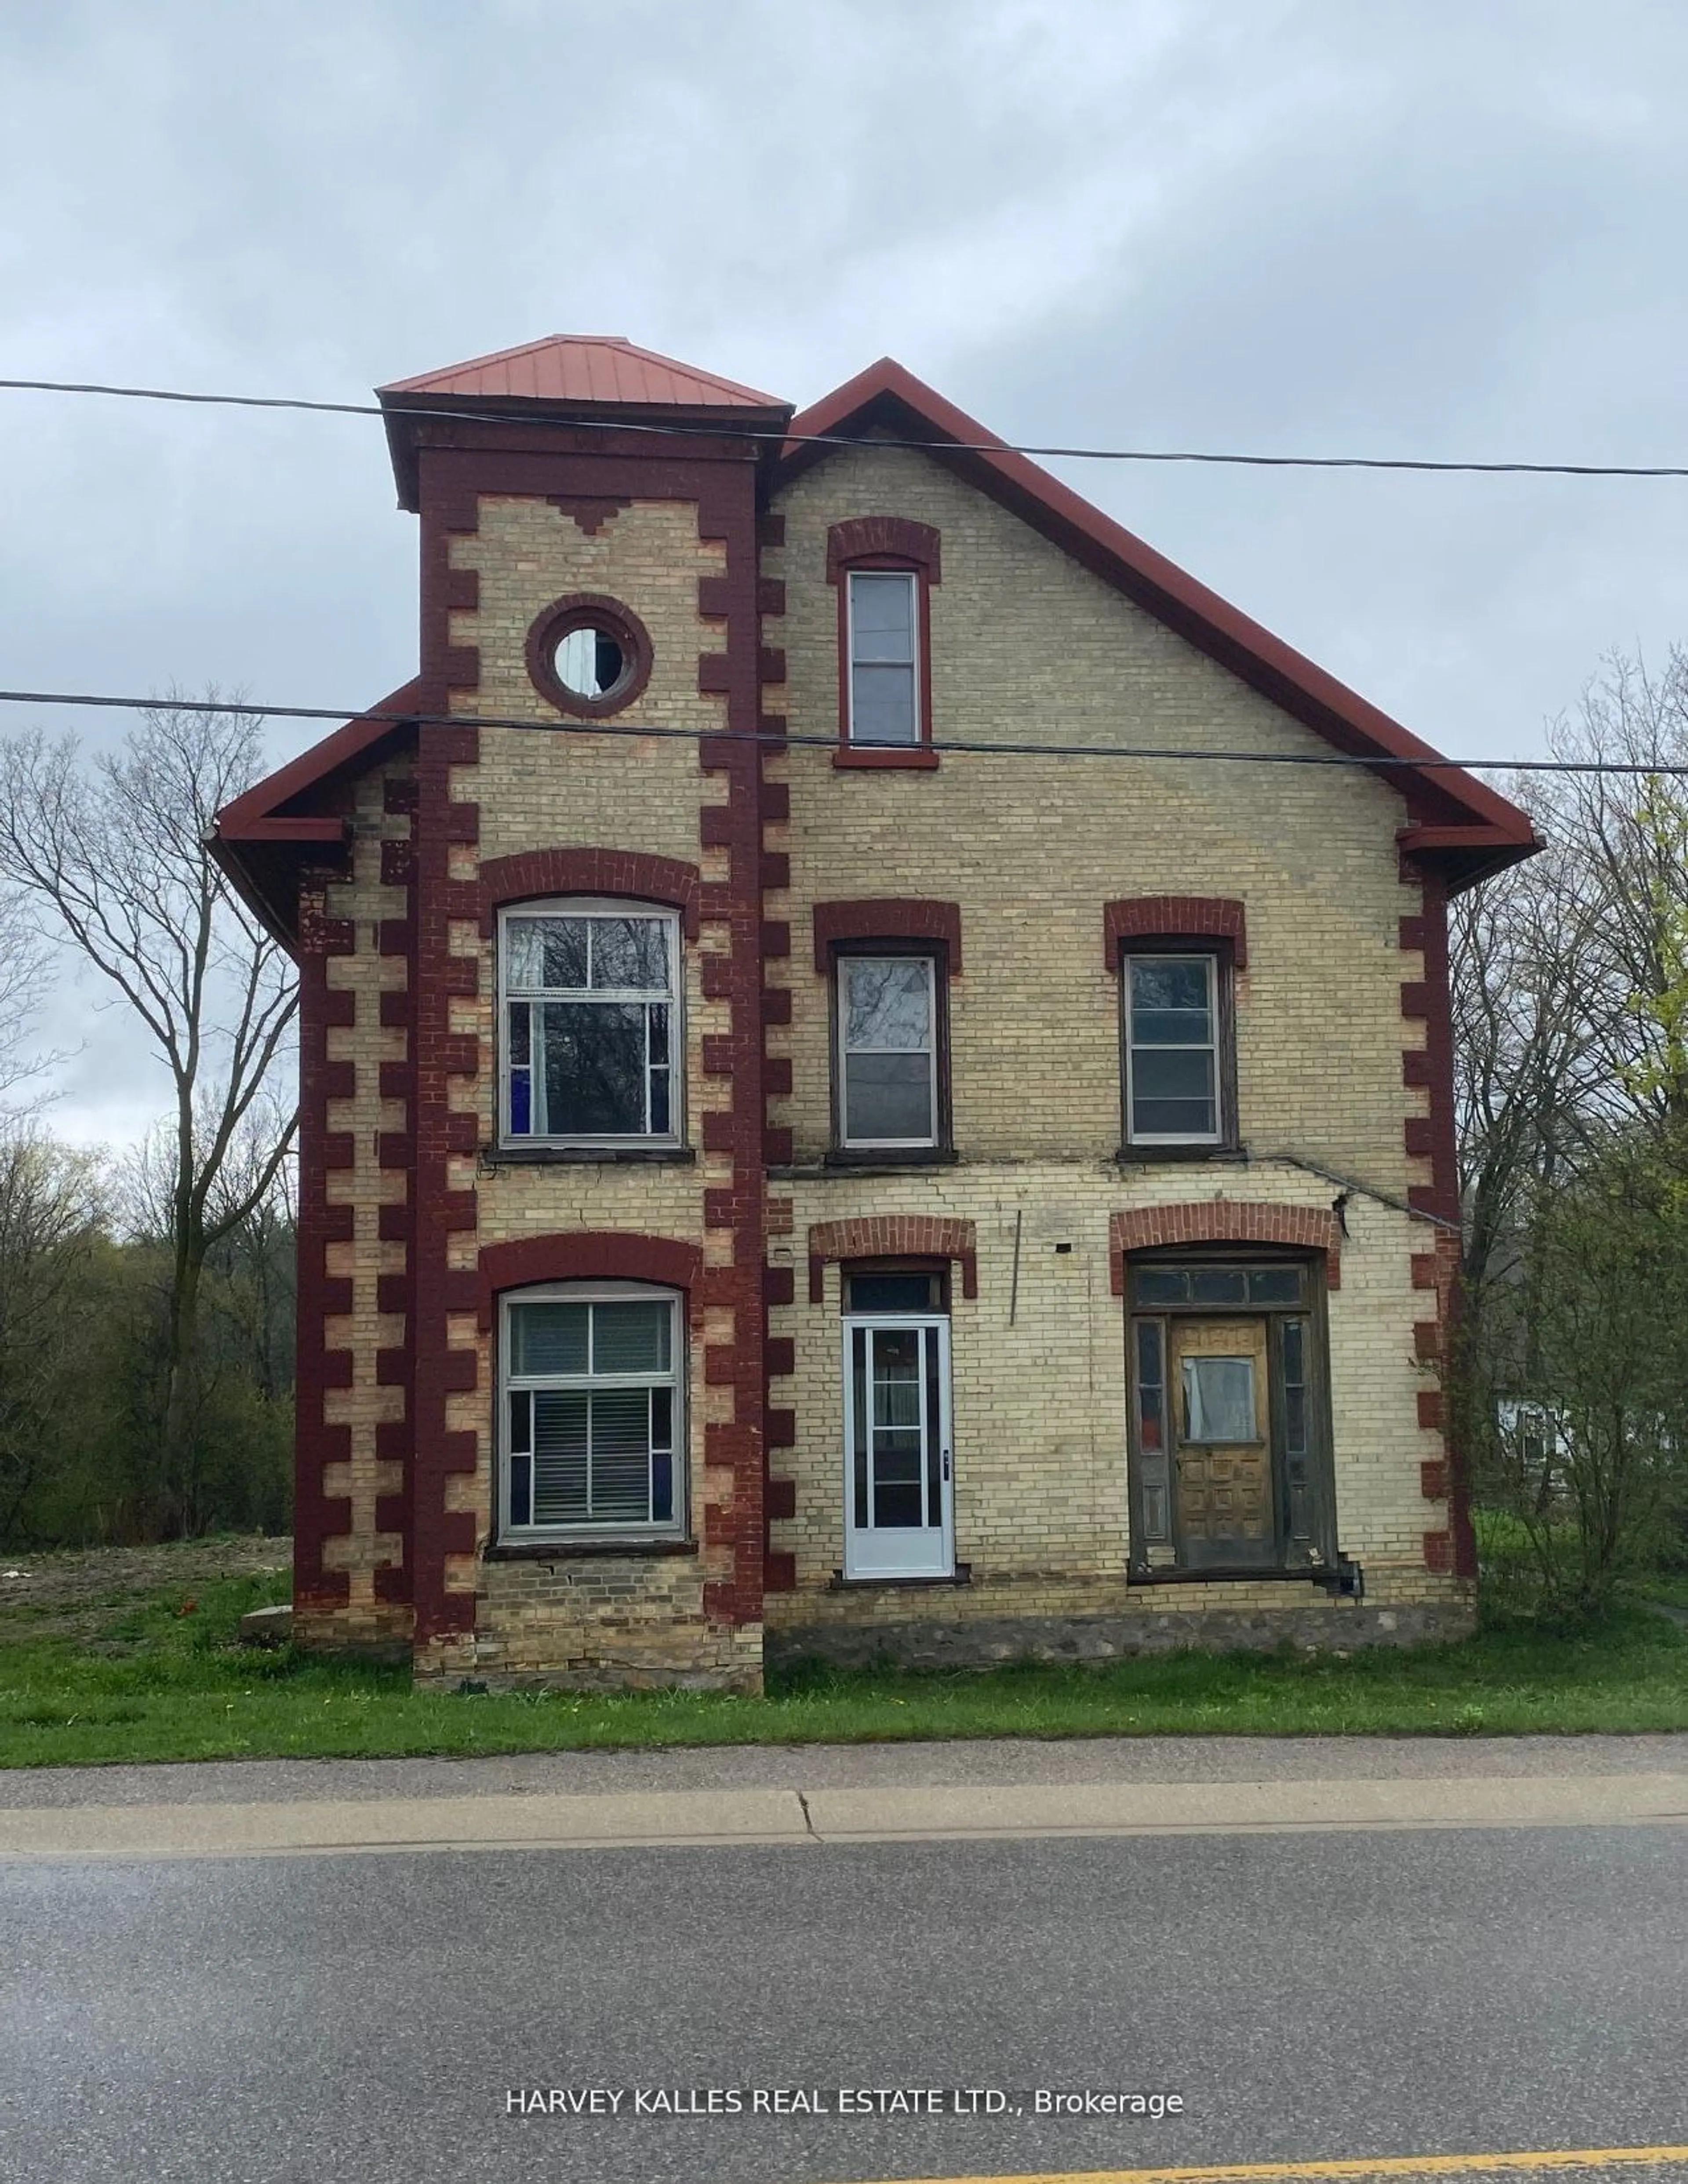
(1627, 834)
(112, 852)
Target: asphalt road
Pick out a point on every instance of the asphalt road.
(349, 2019)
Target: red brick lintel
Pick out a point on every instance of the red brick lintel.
(575, 871)
(892, 1236)
(586, 1255)
(1224, 1221)
(887, 537)
(1148, 918)
(887, 917)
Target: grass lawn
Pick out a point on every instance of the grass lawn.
(132, 1677)
(1671, 1586)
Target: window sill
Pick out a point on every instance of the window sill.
(1232, 1573)
(837, 1167)
(839, 1583)
(558, 1550)
(1153, 1155)
(577, 1156)
(860, 1157)
(868, 758)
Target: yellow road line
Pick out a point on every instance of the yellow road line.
(1426, 2164)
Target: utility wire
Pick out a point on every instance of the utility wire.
(403, 408)
(1433, 762)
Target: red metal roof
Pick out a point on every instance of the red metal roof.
(585, 368)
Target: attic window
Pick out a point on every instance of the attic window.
(589, 657)
(589, 661)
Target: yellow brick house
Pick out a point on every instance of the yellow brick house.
(875, 1067)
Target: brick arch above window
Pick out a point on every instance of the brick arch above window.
(1150, 920)
(887, 917)
(566, 870)
(883, 538)
(892, 1236)
(1224, 1221)
(589, 1255)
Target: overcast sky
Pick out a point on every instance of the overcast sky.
(1448, 228)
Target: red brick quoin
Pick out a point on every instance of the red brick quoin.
(892, 1236)
(570, 871)
(1224, 1221)
(1159, 917)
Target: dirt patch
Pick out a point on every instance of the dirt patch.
(51, 1587)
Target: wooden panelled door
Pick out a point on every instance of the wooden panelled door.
(1224, 1508)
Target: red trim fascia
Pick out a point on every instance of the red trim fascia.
(1224, 1221)
(584, 871)
(1150, 918)
(588, 1255)
(251, 835)
(545, 448)
(894, 917)
(887, 394)
(241, 820)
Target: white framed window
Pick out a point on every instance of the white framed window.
(589, 1010)
(592, 1411)
(887, 1041)
(1174, 1089)
(884, 656)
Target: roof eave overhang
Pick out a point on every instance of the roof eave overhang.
(414, 420)
(265, 838)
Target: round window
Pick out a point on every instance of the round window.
(589, 661)
(588, 655)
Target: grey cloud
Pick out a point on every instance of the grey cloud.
(1419, 228)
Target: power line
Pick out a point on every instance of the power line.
(1433, 762)
(848, 440)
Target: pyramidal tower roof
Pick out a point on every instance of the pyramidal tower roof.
(576, 368)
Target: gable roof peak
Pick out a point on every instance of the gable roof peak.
(1453, 814)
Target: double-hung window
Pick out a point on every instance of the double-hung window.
(590, 1008)
(1175, 1086)
(884, 662)
(888, 1052)
(592, 1401)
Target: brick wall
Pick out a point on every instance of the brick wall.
(1020, 856)
(1025, 644)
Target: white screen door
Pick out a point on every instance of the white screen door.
(898, 1520)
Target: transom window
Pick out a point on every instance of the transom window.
(590, 1011)
(884, 703)
(888, 1050)
(592, 1401)
(1173, 1093)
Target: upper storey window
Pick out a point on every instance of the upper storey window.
(1173, 1080)
(590, 1013)
(883, 568)
(884, 663)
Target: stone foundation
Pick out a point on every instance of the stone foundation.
(607, 1623)
(988, 1642)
